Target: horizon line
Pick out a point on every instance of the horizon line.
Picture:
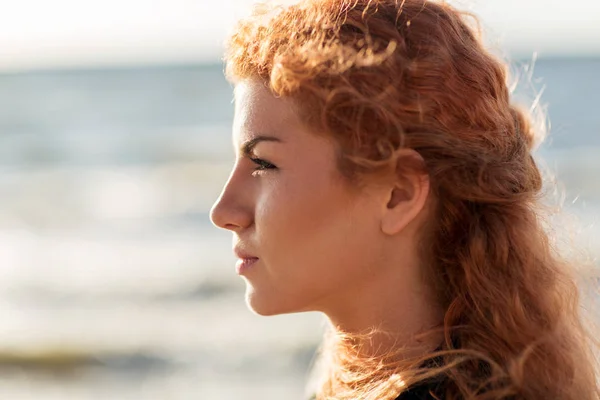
(213, 62)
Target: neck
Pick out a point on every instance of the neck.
(388, 312)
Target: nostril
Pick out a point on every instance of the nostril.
(231, 227)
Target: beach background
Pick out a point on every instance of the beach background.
(113, 283)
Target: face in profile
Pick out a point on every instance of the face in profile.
(306, 239)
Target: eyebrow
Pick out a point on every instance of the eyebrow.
(249, 145)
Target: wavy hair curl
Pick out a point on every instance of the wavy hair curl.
(378, 75)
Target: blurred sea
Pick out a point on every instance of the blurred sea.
(113, 283)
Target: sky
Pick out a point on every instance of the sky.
(71, 33)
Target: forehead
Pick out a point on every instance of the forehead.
(257, 110)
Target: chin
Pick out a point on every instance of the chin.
(267, 305)
(262, 306)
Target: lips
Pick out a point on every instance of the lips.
(242, 254)
(243, 265)
(245, 260)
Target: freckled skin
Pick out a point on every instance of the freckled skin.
(322, 245)
(312, 233)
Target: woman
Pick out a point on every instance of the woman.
(384, 179)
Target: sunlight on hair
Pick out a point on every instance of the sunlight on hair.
(514, 292)
(396, 383)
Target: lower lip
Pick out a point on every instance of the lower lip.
(244, 264)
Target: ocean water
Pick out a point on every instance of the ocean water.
(113, 283)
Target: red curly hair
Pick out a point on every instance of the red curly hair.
(378, 75)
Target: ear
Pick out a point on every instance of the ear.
(407, 193)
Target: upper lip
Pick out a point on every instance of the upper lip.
(242, 253)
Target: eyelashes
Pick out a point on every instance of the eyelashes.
(262, 165)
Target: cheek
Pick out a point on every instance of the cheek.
(299, 208)
(315, 230)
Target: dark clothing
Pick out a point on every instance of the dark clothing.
(428, 390)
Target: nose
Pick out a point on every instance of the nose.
(232, 210)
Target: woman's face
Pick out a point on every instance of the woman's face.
(307, 239)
